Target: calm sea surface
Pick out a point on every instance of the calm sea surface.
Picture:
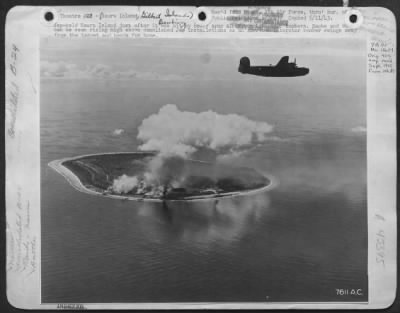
(298, 242)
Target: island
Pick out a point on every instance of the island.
(181, 180)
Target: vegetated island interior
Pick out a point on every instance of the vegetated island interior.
(181, 179)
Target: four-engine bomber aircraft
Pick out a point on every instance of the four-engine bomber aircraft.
(283, 68)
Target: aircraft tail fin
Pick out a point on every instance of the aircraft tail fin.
(244, 65)
(283, 61)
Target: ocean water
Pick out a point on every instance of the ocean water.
(301, 241)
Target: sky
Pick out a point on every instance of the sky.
(331, 61)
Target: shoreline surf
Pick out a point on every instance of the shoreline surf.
(76, 183)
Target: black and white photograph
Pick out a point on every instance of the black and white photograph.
(201, 170)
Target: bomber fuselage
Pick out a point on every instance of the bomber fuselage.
(274, 71)
(284, 68)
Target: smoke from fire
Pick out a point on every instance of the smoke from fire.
(125, 183)
(178, 135)
(181, 133)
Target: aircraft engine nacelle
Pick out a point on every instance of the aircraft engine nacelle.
(244, 64)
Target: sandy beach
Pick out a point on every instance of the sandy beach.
(75, 182)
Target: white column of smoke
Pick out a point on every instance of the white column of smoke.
(124, 184)
(181, 133)
(175, 133)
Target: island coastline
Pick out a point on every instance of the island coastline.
(76, 183)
